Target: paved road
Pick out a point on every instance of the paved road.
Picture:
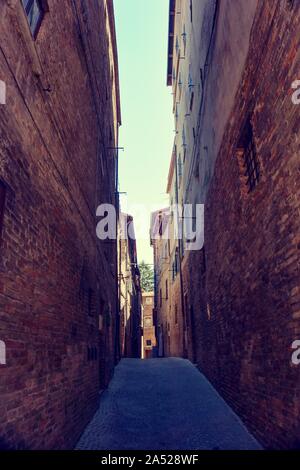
(159, 404)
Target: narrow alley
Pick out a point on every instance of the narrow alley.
(163, 404)
(149, 225)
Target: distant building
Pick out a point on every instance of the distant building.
(162, 250)
(129, 293)
(149, 338)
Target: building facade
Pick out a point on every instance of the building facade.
(129, 292)
(231, 66)
(58, 282)
(149, 336)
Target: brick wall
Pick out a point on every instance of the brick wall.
(57, 282)
(246, 304)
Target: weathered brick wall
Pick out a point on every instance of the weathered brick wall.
(246, 305)
(55, 278)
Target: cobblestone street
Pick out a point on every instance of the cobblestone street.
(163, 404)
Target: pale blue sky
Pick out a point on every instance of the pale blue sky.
(147, 129)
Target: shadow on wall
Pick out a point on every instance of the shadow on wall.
(4, 445)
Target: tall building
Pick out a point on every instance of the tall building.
(58, 282)
(149, 336)
(129, 292)
(161, 243)
(231, 66)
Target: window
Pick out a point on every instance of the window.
(290, 4)
(196, 169)
(149, 342)
(167, 290)
(246, 149)
(183, 137)
(181, 246)
(176, 115)
(184, 36)
(180, 170)
(35, 12)
(191, 108)
(177, 45)
(191, 10)
(160, 222)
(176, 315)
(175, 266)
(190, 79)
(160, 297)
(191, 88)
(180, 84)
(2, 203)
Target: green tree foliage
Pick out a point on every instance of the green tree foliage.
(147, 277)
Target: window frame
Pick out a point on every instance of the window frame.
(27, 9)
(191, 10)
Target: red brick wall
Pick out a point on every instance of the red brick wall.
(55, 278)
(251, 284)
